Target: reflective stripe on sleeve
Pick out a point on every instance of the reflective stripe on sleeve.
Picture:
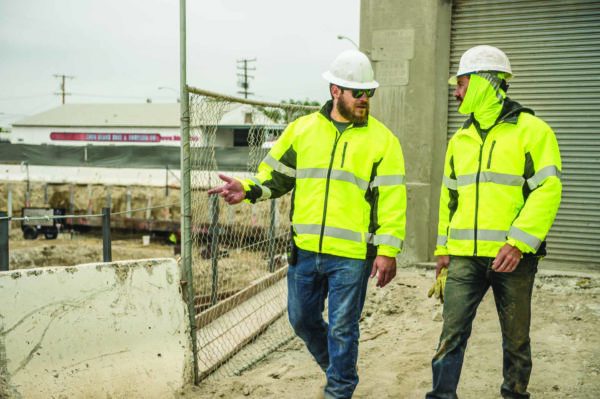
(527, 238)
(279, 167)
(387, 239)
(534, 181)
(266, 192)
(442, 240)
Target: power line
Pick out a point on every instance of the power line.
(108, 96)
(63, 93)
(243, 81)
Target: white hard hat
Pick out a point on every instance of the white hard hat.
(351, 69)
(482, 58)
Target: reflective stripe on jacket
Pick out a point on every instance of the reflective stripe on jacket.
(504, 188)
(349, 193)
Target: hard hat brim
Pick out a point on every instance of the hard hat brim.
(328, 76)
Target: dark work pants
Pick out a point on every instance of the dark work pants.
(468, 280)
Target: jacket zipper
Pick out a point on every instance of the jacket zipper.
(479, 174)
(344, 154)
(337, 138)
(477, 200)
(490, 156)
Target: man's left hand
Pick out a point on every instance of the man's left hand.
(507, 259)
(384, 267)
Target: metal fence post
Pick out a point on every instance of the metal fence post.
(4, 260)
(167, 181)
(213, 233)
(106, 243)
(108, 197)
(9, 201)
(271, 248)
(186, 203)
(128, 204)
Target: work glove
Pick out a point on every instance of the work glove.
(439, 285)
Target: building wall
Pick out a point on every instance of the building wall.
(409, 45)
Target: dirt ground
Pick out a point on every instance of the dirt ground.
(400, 329)
(70, 250)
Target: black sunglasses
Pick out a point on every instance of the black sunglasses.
(358, 93)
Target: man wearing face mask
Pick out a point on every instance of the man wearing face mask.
(346, 171)
(500, 194)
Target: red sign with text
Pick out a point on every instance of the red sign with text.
(112, 137)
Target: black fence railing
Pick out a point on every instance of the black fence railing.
(105, 217)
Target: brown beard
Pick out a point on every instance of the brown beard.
(345, 110)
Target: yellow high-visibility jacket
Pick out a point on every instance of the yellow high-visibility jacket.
(505, 188)
(349, 194)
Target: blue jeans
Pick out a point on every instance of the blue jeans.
(468, 280)
(335, 345)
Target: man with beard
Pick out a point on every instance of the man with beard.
(500, 193)
(346, 170)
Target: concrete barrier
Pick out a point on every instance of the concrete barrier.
(106, 330)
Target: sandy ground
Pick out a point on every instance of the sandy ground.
(69, 250)
(400, 329)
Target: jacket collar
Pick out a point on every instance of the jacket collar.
(509, 114)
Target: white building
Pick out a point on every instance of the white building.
(131, 124)
(84, 143)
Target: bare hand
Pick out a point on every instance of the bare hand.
(232, 191)
(385, 269)
(441, 262)
(507, 259)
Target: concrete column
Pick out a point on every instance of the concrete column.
(409, 45)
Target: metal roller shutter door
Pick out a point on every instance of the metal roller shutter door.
(554, 49)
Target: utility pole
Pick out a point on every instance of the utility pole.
(62, 86)
(243, 77)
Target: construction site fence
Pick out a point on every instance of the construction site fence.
(143, 157)
(68, 220)
(239, 268)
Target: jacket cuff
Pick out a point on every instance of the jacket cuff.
(386, 250)
(440, 251)
(245, 183)
(524, 248)
(250, 190)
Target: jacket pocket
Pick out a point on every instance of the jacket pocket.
(344, 154)
(489, 164)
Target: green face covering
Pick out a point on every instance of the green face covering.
(483, 98)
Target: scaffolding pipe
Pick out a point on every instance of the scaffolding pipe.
(207, 93)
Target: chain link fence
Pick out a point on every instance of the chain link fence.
(238, 252)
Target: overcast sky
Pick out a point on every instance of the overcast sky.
(123, 50)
